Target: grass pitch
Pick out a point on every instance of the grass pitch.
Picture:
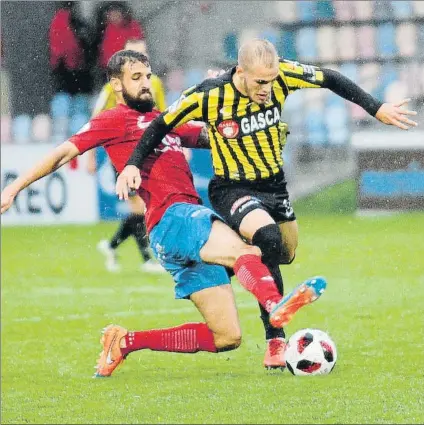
(56, 296)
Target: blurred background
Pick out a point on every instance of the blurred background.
(57, 291)
(53, 56)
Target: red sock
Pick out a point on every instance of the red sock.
(254, 276)
(187, 338)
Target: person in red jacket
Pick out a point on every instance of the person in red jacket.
(115, 26)
(69, 43)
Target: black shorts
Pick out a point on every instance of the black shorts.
(233, 200)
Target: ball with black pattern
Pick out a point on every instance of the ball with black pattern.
(310, 352)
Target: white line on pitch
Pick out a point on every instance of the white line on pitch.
(84, 316)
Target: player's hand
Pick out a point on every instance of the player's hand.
(129, 179)
(7, 197)
(394, 114)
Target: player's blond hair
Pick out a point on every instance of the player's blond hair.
(257, 52)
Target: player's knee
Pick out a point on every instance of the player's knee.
(244, 249)
(228, 341)
(269, 240)
(249, 250)
(288, 255)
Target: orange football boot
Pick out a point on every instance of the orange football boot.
(274, 355)
(304, 294)
(111, 356)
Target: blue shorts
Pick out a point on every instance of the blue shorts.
(177, 240)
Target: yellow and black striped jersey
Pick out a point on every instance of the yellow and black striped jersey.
(107, 97)
(246, 138)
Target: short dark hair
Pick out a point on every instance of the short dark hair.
(120, 58)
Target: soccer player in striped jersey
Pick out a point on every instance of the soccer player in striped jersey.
(242, 109)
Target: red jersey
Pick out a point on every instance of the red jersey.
(166, 176)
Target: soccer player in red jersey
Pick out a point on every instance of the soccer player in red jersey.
(191, 241)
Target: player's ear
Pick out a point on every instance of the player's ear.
(116, 84)
(239, 71)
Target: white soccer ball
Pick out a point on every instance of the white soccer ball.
(310, 352)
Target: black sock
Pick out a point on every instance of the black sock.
(140, 235)
(270, 331)
(123, 232)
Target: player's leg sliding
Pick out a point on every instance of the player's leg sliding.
(206, 285)
(256, 278)
(305, 293)
(118, 342)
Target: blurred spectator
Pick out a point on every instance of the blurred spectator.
(69, 42)
(115, 26)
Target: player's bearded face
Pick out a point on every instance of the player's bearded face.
(142, 102)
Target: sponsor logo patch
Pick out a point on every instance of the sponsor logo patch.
(241, 204)
(248, 204)
(228, 129)
(238, 203)
(260, 120)
(287, 208)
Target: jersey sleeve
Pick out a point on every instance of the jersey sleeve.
(188, 107)
(189, 134)
(101, 129)
(299, 76)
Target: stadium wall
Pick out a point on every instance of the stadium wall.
(68, 196)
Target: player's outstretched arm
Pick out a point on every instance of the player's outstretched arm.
(387, 113)
(54, 160)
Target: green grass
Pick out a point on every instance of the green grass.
(56, 297)
(337, 199)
